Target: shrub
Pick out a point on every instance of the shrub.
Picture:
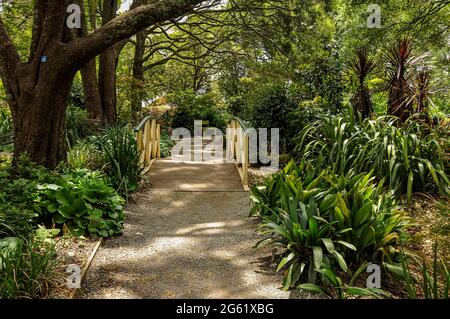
(85, 154)
(77, 125)
(84, 203)
(323, 220)
(81, 199)
(18, 214)
(406, 158)
(432, 282)
(28, 269)
(166, 144)
(273, 108)
(120, 153)
(361, 66)
(189, 107)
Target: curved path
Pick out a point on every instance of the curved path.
(189, 237)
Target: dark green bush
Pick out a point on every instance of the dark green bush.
(76, 94)
(189, 107)
(273, 107)
(84, 202)
(408, 158)
(77, 125)
(86, 154)
(324, 220)
(6, 128)
(166, 144)
(81, 199)
(120, 153)
(18, 192)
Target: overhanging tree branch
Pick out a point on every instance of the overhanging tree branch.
(82, 50)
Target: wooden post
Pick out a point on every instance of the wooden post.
(245, 160)
(148, 136)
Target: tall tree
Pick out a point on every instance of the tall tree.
(37, 90)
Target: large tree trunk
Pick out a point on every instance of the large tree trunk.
(107, 69)
(92, 99)
(39, 116)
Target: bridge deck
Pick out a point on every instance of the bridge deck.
(194, 177)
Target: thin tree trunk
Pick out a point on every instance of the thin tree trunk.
(137, 86)
(92, 97)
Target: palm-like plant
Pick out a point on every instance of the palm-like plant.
(400, 59)
(361, 66)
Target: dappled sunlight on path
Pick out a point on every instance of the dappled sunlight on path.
(185, 245)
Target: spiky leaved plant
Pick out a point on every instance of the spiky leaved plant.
(400, 59)
(361, 65)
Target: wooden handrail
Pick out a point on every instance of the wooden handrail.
(238, 147)
(148, 135)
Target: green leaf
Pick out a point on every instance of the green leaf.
(328, 244)
(362, 214)
(52, 208)
(313, 228)
(341, 261)
(410, 186)
(346, 244)
(318, 256)
(285, 260)
(362, 292)
(67, 211)
(311, 288)
(288, 279)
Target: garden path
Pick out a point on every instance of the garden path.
(189, 237)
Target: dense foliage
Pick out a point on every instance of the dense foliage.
(189, 107)
(324, 221)
(118, 146)
(406, 158)
(28, 268)
(83, 201)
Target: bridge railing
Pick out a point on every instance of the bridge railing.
(238, 147)
(148, 135)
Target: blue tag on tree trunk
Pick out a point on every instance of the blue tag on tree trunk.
(44, 58)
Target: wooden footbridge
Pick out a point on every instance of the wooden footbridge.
(228, 174)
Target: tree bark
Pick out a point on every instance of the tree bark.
(92, 96)
(137, 85)
(92, 99)
(39, 128)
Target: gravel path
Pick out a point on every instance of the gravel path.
(185, 245)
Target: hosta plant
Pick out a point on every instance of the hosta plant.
(85, 203)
